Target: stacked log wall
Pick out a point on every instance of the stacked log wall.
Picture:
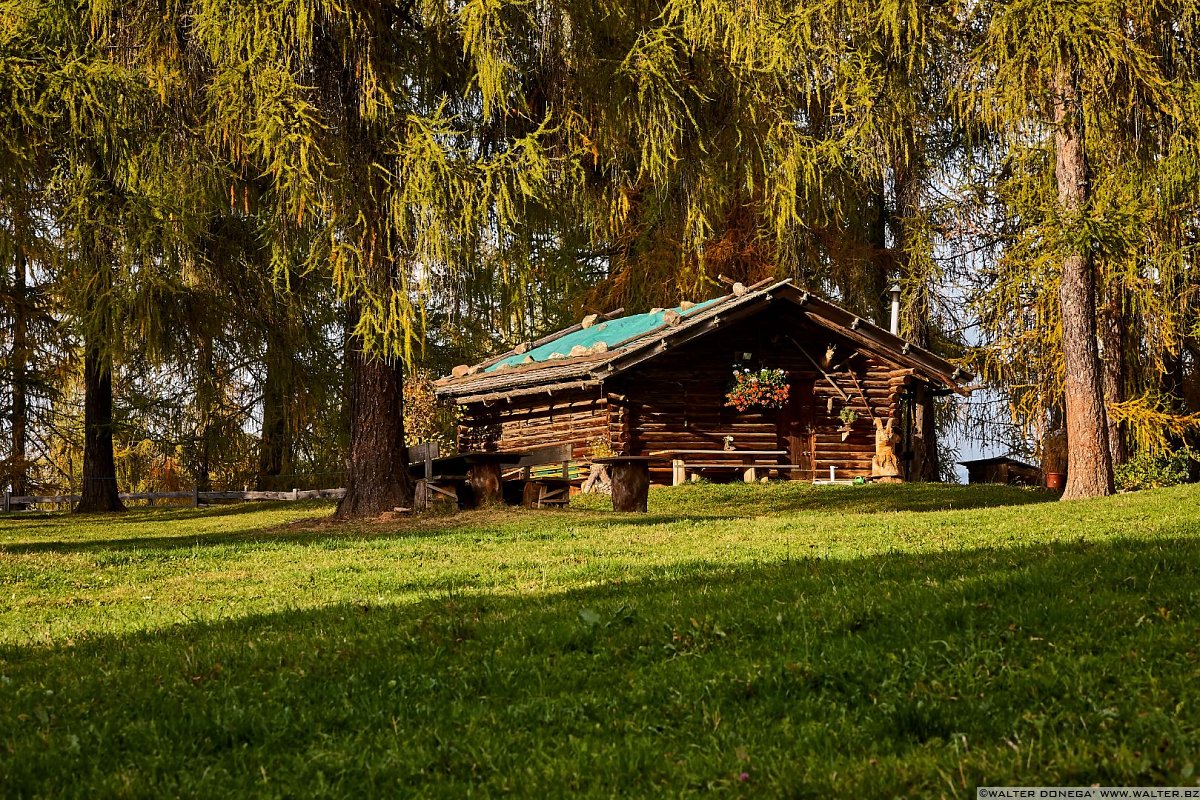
(882, 385)
(677, 401)
(576, 418)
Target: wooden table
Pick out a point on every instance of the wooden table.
(749, 460)
(630, 480)
(485, 474)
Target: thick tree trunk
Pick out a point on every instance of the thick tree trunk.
(1112, 340)
(1089, 464)
(274, 447)
(377, 479)
(99, 466)
(20, 378)
(915, 324)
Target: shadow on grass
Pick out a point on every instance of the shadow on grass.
(882, 676)
(56, 520)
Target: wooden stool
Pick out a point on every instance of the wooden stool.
(630, 480)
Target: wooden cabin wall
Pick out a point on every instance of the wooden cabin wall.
(576, 418)
(677, 401)
(882, 384)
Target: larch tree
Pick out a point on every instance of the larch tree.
(69, 99)
(1049, 79)
(383, 128)
(26, 241)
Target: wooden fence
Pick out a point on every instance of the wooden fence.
(11, 500)
(421, 456)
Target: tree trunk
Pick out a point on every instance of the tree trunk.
(99, 466)
(630, 486)
(1089, 464)
(274, 447)
(377, 477)
(915, 323)
(20, 379)
(206, 398)
(1112, 340)
(878, 269)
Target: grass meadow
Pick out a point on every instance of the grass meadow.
(747, 640)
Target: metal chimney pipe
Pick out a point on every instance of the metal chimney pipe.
(895, 326)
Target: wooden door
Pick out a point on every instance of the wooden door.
(796, 427)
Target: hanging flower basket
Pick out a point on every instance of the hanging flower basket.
(764, 388)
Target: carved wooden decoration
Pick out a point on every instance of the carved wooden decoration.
(885, 465)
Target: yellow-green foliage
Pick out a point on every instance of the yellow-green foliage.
(1138, 90)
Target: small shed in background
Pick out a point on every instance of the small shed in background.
(1002, 469)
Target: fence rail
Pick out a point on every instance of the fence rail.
(196, 497)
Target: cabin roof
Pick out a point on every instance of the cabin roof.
(585, 355)
(986, 462)
(607, 333)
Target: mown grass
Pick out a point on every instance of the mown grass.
(770, 640)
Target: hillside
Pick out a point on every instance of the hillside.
(869, 641)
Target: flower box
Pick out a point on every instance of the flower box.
(764, 388)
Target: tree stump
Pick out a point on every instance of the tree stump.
(630, 486)
(486, 484)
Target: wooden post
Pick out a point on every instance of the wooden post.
(7, 500)
(149, 498)
(195, 496)
(531, 494)
(295, 493)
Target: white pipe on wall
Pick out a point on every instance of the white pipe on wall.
(895, 326)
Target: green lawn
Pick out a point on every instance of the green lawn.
(767, 640)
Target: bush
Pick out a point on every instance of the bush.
(1149, 470)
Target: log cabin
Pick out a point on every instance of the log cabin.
(657, 383)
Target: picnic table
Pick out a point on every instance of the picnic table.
(717, 458)
(470, 479)
(630, 480)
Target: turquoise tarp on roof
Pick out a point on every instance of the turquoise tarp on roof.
(612, 332)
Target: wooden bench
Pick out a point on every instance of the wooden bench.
(547, 474)
(438, 479)
(747, 462)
